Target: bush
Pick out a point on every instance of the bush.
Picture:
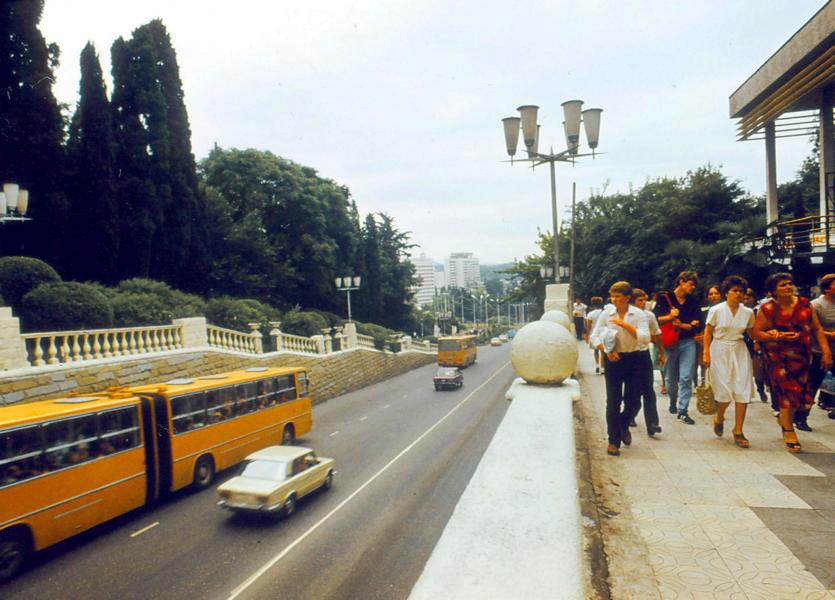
(237, 313)
(303, 323)
(179, 304)
(19, 275)
(134, 308)
(333, 319)
(65, 305)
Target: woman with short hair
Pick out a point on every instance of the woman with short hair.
(727, 356)
(784, 327)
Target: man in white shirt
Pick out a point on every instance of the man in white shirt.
(579, 317)
(591, 319)
(647, 376)
(619, 333)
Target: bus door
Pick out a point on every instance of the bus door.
(151, 450)
(163, 443)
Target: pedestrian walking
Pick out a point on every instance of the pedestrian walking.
(727, 356)
(646, 380)
(579, 311)
(618, 334)
(656, 348)
(784, 327)
(713, 297)
(824, 307)
(591, 319)
(681, 310)
(750, 300)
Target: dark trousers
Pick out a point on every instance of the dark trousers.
(816, 375)
(646, 388)
(579, 326)
(622, 388)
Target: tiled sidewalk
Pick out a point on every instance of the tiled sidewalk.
(719, 521)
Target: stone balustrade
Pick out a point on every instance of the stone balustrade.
(229, 339)
(57, 347)
(365, 341)
(296, 343)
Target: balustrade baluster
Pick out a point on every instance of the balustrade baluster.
(166, 339)
(37, 353)
(76, 349)
(123, 345)
(96, 346)
(85, 348)
(105, 345)
(64, 349)
(51, 352)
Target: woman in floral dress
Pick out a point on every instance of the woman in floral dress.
(784, 327)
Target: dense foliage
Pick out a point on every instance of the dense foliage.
(65, 305)
(703, 221)
(21, 274)
(121, 197)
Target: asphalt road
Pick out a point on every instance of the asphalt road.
(404, 455)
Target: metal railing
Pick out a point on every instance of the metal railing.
(805, 236)
(54, 347)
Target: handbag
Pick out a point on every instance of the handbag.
(705, 400)
(669, 332)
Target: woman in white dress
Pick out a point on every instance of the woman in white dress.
(726, 354)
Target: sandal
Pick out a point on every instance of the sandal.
(719, 428)
(791, 446)
(741, 441)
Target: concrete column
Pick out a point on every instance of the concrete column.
(320, 343)
(194, 331)
(327, 340)
(827, 150)
(771, 206)
(276, 333)
(556, 298)
(257, 338)
(349, 333)
(12, 346)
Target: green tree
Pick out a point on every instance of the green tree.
(31, 130)
(94, 220)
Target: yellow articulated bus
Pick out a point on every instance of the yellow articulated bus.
(457, 351)
(69, 464)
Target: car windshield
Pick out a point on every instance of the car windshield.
(266, 469)
(446, 372)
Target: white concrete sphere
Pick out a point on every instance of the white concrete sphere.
(544, 352)
(558, 317)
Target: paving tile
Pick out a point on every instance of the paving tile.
(822, 461)
(796, 520)
(785, 464)
(815, 550)
(718, 496)
(687, 572)
(768, 496)
(818, 492)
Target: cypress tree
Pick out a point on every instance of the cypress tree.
(94, 219)
(31, 130)
(152, 119)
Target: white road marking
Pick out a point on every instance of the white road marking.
(363, 418)
(144, 529)
(387, 405)
(334, 433)
(273, 561)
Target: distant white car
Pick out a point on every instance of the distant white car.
(275, 478)
(503, 338)
(495, 342)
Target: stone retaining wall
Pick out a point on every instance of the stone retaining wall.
(330, 375)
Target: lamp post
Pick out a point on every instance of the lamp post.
(343, 284)
(546, 272)
(574, 115)
(14, 203)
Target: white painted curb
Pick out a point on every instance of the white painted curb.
(516, 531)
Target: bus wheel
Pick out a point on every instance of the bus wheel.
(287, 436)
(204, 472)
(15, 548)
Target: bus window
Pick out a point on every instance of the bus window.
(71, 441)
(119, 430)
(188, 412)
(449, 345)
(247, 398)
(266, 392)
(286, 388)
(21, 454)
(301, 378)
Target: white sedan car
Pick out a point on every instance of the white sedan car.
(275, 478)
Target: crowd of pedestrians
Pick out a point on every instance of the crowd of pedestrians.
(737, 346)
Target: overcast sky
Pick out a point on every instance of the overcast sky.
(401, 101)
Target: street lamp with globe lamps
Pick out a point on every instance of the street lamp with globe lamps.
(343, 284)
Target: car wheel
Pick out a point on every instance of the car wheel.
(287, 436)
(328, 481)
(204, 472)
(437, 388)
(289, 505)
(15, 549)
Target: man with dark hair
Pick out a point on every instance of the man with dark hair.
(579, 311)
(682, 310)
(824, 306)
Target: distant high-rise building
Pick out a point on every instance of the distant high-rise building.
(425, 274)
(462, 270)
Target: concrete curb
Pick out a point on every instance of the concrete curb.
(516, 531)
